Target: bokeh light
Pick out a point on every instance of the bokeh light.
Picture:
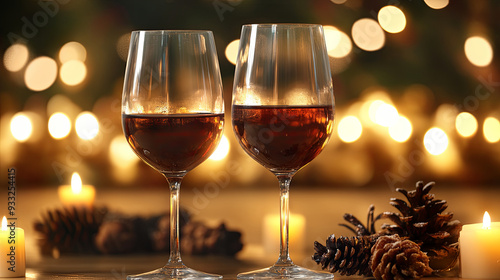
(437, 4)
(73, 72)
(122, 46)
(59, 125)
(338, 1)
(222, 150)
(232, 51)
(72, 51)
(478, 51)
(392, 19)
(368, 35)
(120, 152)
(86, 126)
(491, 130)
(401, 130)
(21, 127)
(15, 57)
(338, 43)
(435, 141)
(41, 73)
(466, 124)
(349, 129)
(386, 115)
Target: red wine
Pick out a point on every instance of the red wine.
(173, 143)
(283, 138)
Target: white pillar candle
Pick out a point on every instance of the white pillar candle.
(12, 258)
(480, 250)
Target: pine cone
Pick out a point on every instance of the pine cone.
(394, 258)
(347, 256)
(69, 230)
(199, 239)
(424, 222)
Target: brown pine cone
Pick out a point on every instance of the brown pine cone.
(199, 239)
(396, 259)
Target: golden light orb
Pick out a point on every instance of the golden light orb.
(21, 127)
(349, 129)
(478, 51)
(437, 4)
(232, 51)
(72, 51)
(401, 130)
(59, 125)
(86, 126)
(491, 130)
(40, 74)
(222, 150)
(392, 19)
(73, 72)
(435, 141)
(466, 124)
(368, 35)
(15, 57)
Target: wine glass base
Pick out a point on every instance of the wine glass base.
(165, 273)
(285, 272)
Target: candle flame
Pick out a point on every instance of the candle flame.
(486, 220)
(4, 223)
(76, 183)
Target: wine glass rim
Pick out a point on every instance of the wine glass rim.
(283, 25)
(178, 31)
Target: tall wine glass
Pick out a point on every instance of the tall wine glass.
(172, 116)
(282, 112)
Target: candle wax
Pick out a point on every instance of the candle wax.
(480, 251)
(12, 258)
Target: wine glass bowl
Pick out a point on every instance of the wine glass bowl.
(173, 116)
(283, 113)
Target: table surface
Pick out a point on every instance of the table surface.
(241, 210)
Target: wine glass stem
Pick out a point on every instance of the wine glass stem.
(175, 254)
(284, 181)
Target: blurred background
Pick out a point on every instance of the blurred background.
(417, 88)
(416, 85)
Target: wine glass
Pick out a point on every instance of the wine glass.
(172, 116)
(282, 113)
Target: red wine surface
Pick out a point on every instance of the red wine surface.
(283, 138)
(173, 143)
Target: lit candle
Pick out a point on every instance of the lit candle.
(480, 249)
(77, 194)
(296, 233)
(12, 258)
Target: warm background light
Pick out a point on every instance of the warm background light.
(73, 72)
(392, 19)
(120, 153)
(222, 150)
(435, 141)
(232, 51)
(338, 44)
(21, 127)
(401, 130)
(72, 51)
(86, 126)
(368, 35)
(15, 57)
(122, 46)
(491, 130)
(386, 115)
(466, 124)
(478, 51)
(41, 73)
(349, 129)
(437, 4)
(59, 125)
